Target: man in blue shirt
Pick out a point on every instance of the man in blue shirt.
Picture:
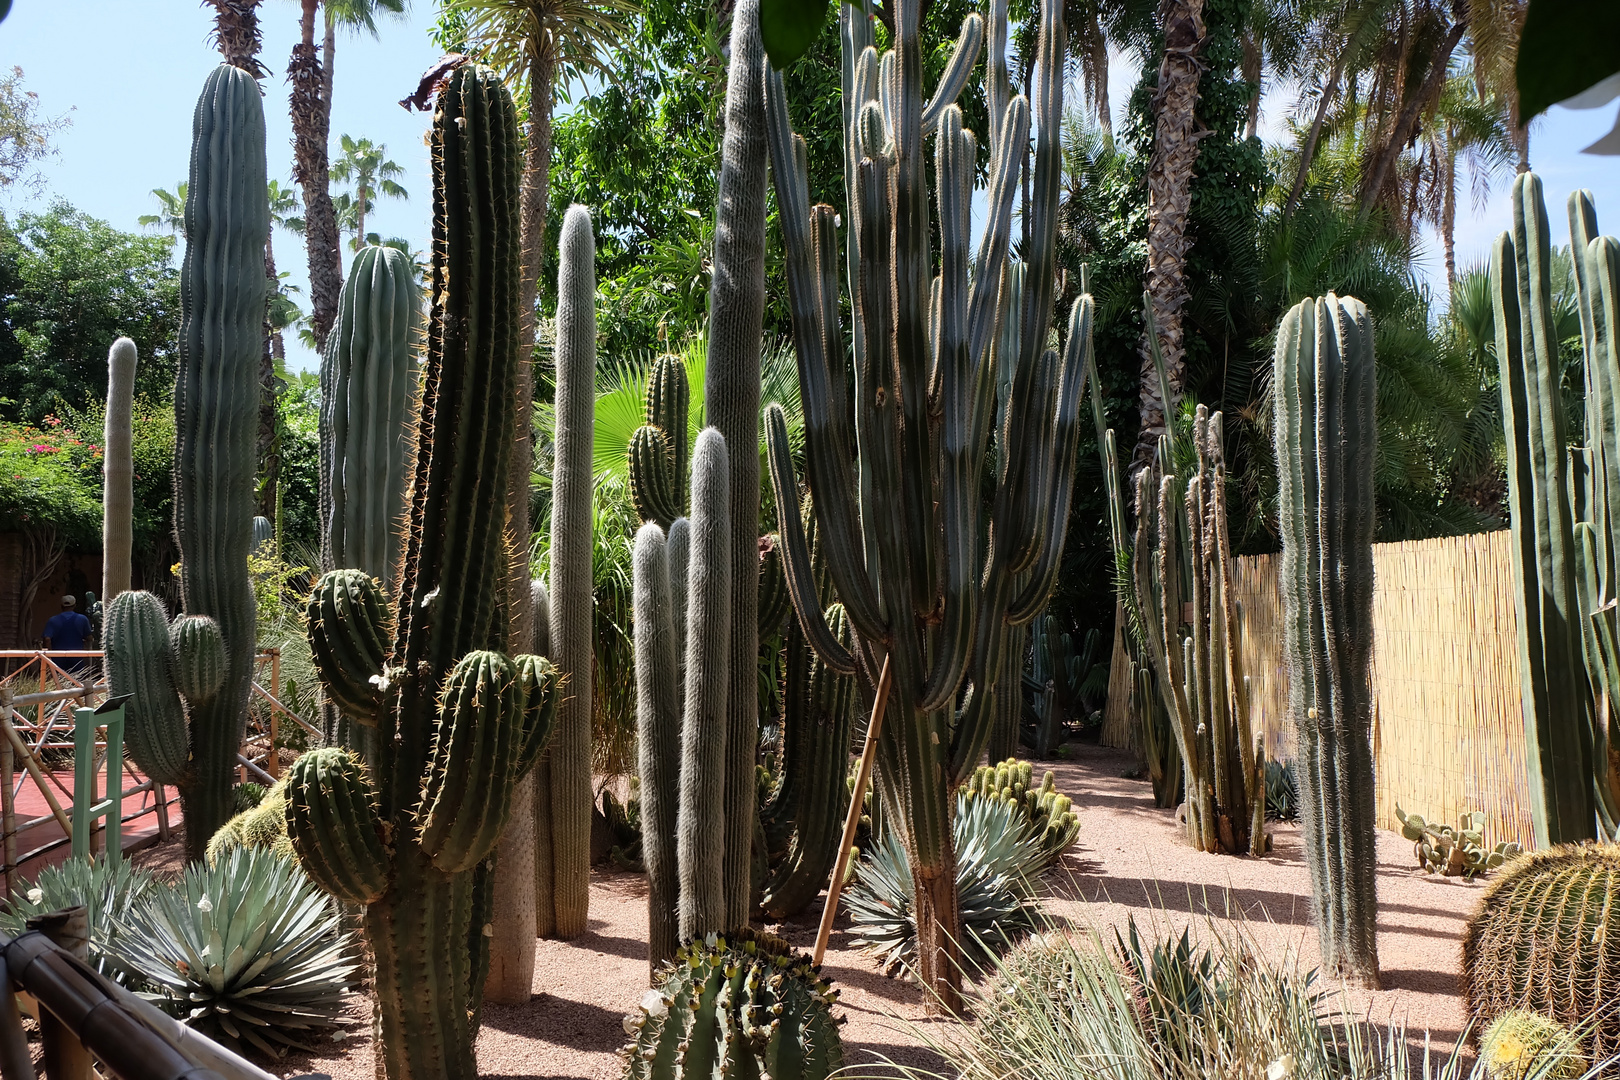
(67, 631)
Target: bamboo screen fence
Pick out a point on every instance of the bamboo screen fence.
(1448, 735)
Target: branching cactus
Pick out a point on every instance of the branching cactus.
(216, 404)
(928, 591)
(411, 836)
(1325, 432)
(1182, 541)
(368, 389)
(1564, 512)
(681, 706)
(659, 454)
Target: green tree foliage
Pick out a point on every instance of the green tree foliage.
(298, 411)
(69, 285)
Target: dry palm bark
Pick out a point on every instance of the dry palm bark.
(236, 32)
(311, 108)
(1170, 175)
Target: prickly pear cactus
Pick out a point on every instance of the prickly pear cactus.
(412, 835)
(737, 1005)
(1455, 852)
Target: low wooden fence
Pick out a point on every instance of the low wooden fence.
(1448, 732)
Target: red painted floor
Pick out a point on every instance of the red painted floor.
(138, 832)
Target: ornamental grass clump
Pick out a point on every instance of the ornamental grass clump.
(1202, 1003)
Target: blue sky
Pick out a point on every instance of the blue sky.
(130, 70)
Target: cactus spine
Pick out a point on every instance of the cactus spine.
(1325, 433)
(562, 893)
(118, 485)
(216, 402)
(1199, 673)
(924, 589)
(658, 737)
(411, 836)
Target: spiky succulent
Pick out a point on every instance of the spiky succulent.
(247, 950)
(1282, 791)
(1453, 852)
(1045, 812)
(264, 825)
(106, 889)
(998, 862)
(738, 1005)
(1522, 1045)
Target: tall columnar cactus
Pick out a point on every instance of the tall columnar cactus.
(731, 404)
(1181, 542)
(926, 591)
(658, 737)
(216, 403)
(562, 893)
(368, 387)
(411, 836)
(700, 828)
(659, 455)
(118, 469)
(1325, 434)
(1543, 938)
(1564, 511)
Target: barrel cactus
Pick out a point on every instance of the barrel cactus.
(262, 826)
(1523, 1045)
(216, 407)
(410, 835)
(1325, 435)
(1540, 939)
(740, 1004)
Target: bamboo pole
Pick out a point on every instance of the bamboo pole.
(853, 818)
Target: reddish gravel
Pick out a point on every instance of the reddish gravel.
(1130, 859)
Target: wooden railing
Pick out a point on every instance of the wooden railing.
(37, 728)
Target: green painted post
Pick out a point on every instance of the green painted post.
(87, 804)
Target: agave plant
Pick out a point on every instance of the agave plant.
(998, 863)
(106, 889)
(1282, 791)
(246, 950)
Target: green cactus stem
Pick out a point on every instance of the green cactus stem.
(118, 470)
(562, 896)
(216, 404)
(140, 659)
(412, 835)
(700, 847)
(1325, 384)
(658, 738)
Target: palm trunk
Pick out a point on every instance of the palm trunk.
(1170, 175)
(1099, 67)
(311, 108)
(1307, 153)
(269, 443)
(515, 923)
(236, 32)
(1252, 72)
(1448, 218)
(1406, 120)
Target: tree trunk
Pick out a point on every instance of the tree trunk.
(1307, 153)
(1252, 72)
(1169, 179)
(236, 33)
(1448, 217)
(1099, 67)
(269, 443)
(511, 968)
(1406, 120)
(311, 108)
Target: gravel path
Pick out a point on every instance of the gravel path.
(1130, 859)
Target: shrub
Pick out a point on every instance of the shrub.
(245, 950)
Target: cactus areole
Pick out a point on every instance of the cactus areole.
(923, 583)
(412, 835)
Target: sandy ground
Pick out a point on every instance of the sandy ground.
(1130, 859)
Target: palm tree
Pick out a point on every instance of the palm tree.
(365, 166)
(1169, 180)
(310, 103)
(236, 34)
(171, 214)
(535, 44)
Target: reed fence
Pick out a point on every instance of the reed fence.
(1448, 732)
